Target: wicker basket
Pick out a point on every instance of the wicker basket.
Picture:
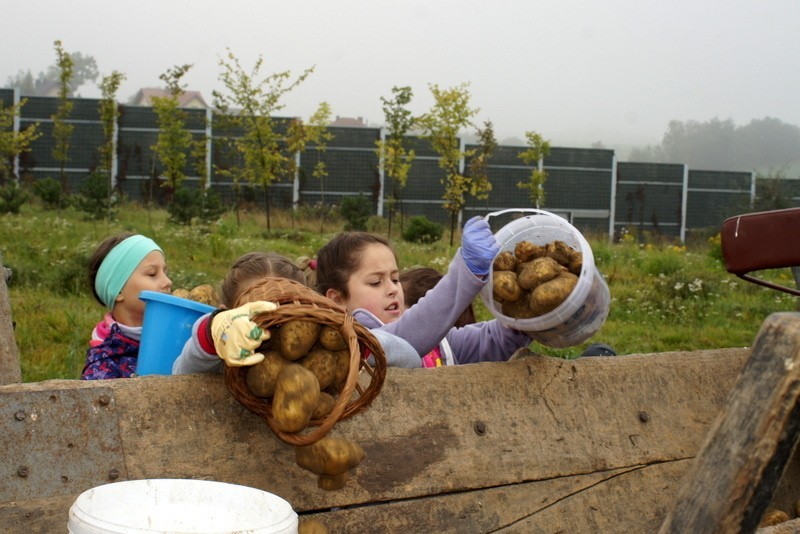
(296, 301)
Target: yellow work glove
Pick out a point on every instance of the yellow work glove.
(236, 336)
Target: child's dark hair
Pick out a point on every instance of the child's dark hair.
(417, 281)
(97, 257)
(341, 256)
(254, 266)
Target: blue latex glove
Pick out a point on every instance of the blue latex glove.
(478, 246)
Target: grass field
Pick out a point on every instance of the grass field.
(664, 296)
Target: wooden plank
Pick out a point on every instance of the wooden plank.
(10, 372)
(739, 465)
(431, 433)
(579, 503)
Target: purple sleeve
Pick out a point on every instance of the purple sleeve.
(427, 322)
(489, 341)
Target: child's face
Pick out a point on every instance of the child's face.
(149, 275)
(375, 285)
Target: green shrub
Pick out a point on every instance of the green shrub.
(377, 224)
(12, 197)
(420, 229)
(96, 199)
(189, 204)
(183, 207)
(50, 193)
(356, 212)
(210, 206)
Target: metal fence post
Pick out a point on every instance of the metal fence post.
(381, 173)
(15, 128)
(209, 144)
(684, 198)
(612, 203)
(296, 181)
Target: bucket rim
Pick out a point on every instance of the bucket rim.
(166, 298)
(89, 516)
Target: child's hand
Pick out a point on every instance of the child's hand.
(236, 336)
(478, 246)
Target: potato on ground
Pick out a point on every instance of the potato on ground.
(505, 261)
(332, 483)
(262, 377)
(331, 338)
(526, 251)
(311, 526)
(539, 271)
(505, 286)
(295, 399)
(549, 296)
(329, 456)
(772, 517)
(296, 337)
(322, 363)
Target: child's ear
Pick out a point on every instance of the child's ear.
(334, 296)
(120, 297)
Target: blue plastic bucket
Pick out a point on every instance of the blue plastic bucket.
(167, 325)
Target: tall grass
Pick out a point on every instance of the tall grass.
(664, 297)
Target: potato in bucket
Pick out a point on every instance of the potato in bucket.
(574, 305)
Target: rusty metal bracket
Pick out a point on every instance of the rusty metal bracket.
(45, 453)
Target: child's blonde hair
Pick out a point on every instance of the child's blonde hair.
(309, 268)
(254, 266)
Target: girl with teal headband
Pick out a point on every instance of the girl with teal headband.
(119, 270)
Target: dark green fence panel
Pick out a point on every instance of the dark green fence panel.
(7, 97)
(591, 158)
(348, 171)
(649, 197)
(713, 196)
(575, 189)
(354, 137)
(773, 193)
(585, 185)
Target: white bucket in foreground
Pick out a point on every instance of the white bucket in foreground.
(179, 506)
(582, 314)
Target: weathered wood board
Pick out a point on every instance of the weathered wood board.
(735, 474)
(9, 355)
(533, 445)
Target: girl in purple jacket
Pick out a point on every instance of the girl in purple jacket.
(359, 271)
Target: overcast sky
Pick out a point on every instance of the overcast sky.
(576, 71)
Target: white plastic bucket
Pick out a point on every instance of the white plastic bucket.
(166, 327)
(179, 506)
(582, 314)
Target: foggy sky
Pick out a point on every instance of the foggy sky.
(576, 71)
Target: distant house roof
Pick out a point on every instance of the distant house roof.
(349, 121)
(189, 99)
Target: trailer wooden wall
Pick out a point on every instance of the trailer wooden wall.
(535, 444)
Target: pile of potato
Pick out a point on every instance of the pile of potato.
(305, 367)
(203, 293)
(535, 279)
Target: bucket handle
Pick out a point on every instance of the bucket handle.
(533, 211)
